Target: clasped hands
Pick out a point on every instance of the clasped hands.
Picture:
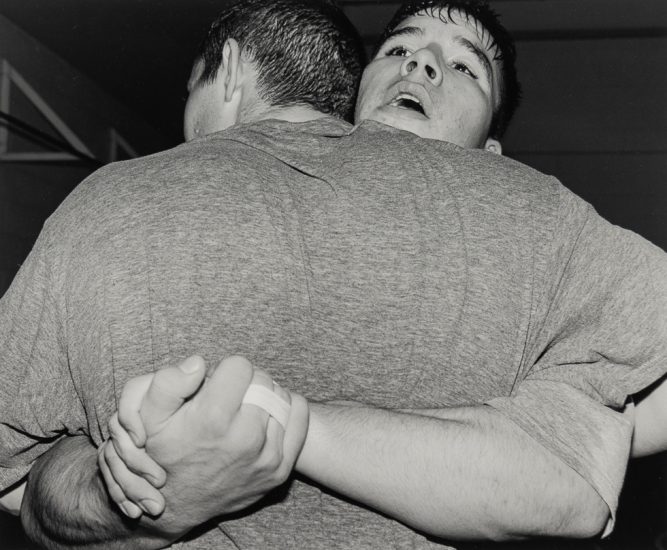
(192, 446)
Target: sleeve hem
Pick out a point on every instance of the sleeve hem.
(598, 450)
(639, 379)
(610, 502)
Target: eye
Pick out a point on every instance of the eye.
(399, 51)
(462, 67)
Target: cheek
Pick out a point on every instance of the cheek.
(363, 106)
(476, 114)
(370, 88)
(364, 87)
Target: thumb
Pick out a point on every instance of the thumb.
(170, 388)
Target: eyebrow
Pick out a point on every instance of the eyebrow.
(411, 31)
(479, 54)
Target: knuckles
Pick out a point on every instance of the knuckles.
(253, 442)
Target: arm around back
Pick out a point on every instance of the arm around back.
(464, 473)
(651, 422)
(66, 504)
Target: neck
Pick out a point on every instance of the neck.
(293, 113)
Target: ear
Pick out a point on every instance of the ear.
(195, 74)
(232, 67)
(493, 146)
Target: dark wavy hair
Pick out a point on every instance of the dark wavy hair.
(305, 51)
(501, 41)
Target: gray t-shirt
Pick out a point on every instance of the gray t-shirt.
(359, 264)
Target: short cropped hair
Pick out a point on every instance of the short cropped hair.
(305, 52)
(501, 40)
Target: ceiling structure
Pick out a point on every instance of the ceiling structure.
(140, 51)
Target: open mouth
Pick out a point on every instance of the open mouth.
(409, 102)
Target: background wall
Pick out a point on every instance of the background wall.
(594, 115)
(34, 81)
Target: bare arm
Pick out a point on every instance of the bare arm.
(66, 504)
(461, 473)
(10, 501)
(651, 422)
(214, 468)
(467, 473)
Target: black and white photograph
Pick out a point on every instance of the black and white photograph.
(333, 274)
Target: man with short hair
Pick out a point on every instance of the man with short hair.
(487, 290)
(109, 256)
(487, 56)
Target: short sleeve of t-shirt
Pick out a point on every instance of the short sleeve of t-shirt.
(602, 336)
(38, 402)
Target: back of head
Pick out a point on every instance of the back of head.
(502, 42)
(306, 52)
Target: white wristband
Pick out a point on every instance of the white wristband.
(272, 403)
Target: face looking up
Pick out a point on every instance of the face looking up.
(436, 78)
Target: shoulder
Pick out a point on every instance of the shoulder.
(491, 171)
(504, 181)
(440, 158)
(205, 175)
(95, 209)
(472, 176)
(118, 189)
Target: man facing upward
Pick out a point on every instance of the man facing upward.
(459, 84)
(367, 265)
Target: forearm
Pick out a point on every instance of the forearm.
(460, 473)
(65, 504)
(10, 501)
(651, 422)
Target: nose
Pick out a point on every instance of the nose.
(423, 62)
